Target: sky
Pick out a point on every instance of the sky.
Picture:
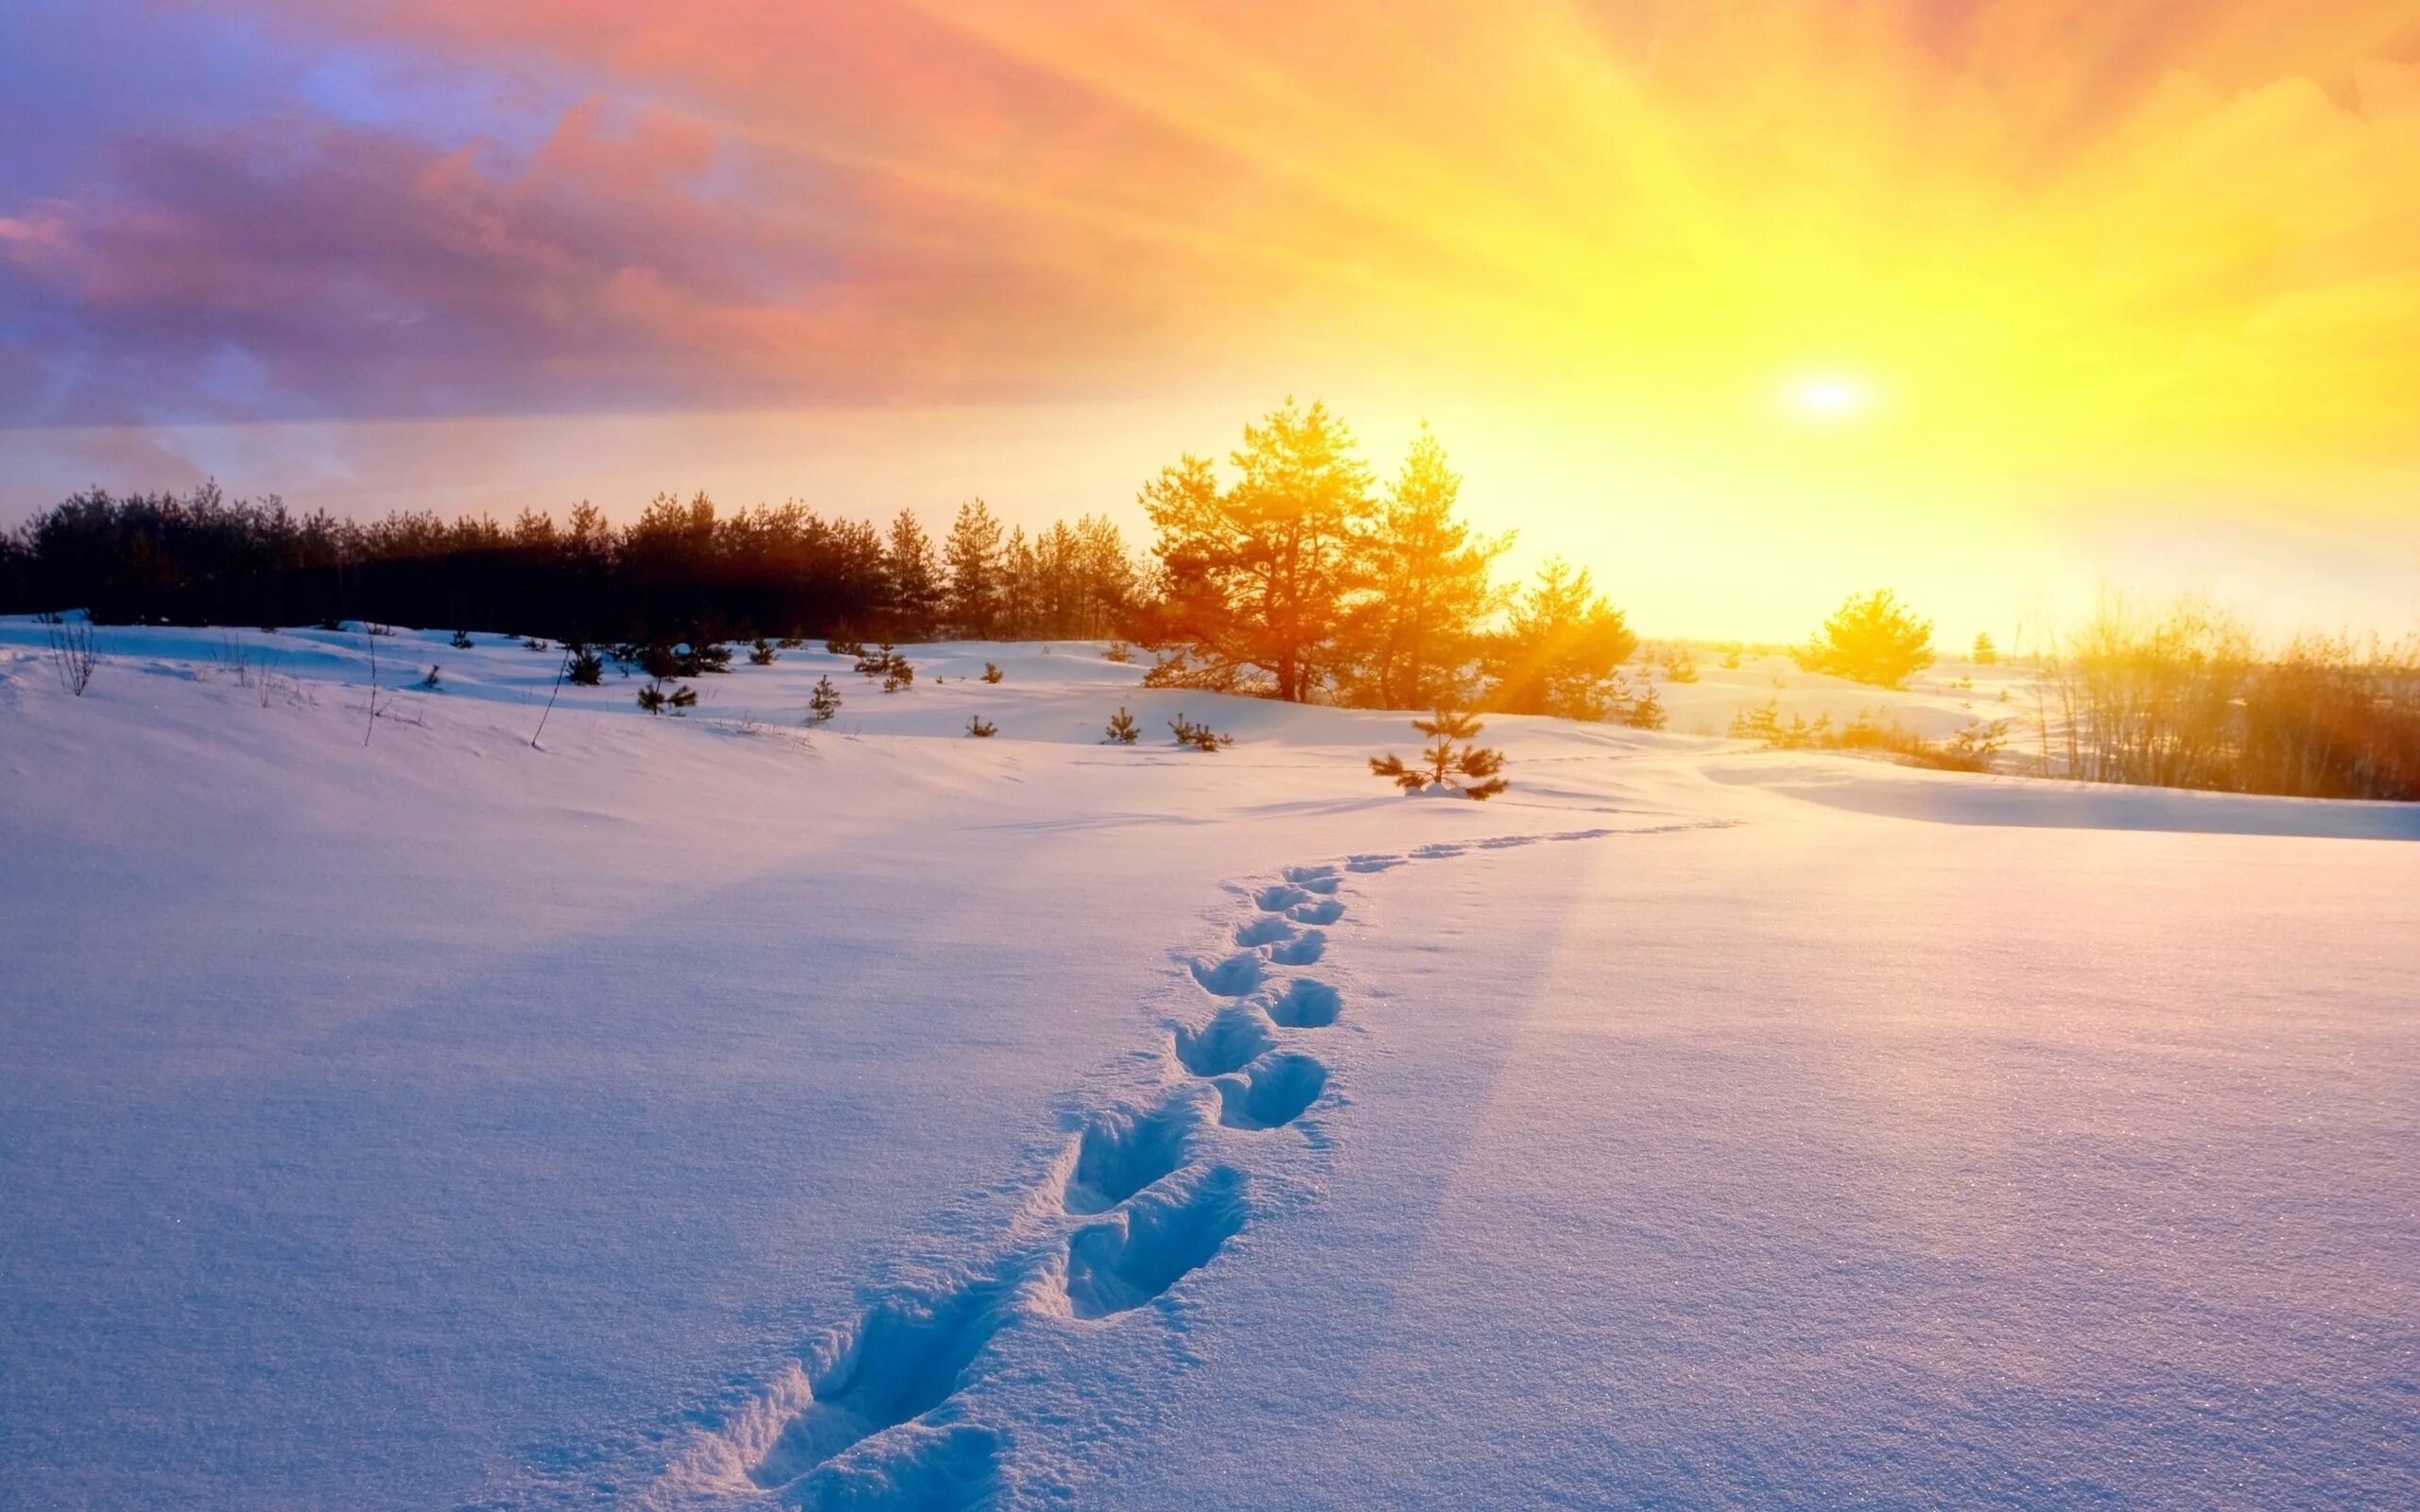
(1743, 303)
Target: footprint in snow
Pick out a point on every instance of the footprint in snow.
(1230, 978)
(1271, 1093)
(1231, 1040)
(1137, 1253)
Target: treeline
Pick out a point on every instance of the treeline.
(684, 571)
(1302, 578)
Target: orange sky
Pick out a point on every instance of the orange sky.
(1746, 303)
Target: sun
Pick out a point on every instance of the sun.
(1827, 397)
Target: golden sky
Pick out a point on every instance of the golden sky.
(1747, 304)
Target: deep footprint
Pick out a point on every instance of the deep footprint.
(1272, 1092)
(906, 1358)
(1264, 931)
(1305, 950)
(1138, 1253)
(1316, 910)
(1305, 1004)
(1278, 898)
(1234, 1040)
(1230, 978)
(1123, 1150)
(943, 1471)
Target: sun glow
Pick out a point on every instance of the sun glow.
(1827, 397)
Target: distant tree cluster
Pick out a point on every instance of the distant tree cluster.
(1304, 578)
(684, 571)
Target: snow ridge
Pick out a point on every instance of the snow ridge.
(873, 1415)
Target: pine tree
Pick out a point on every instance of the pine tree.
(911, 576)
(824, 702)
(1472, 770)
(655, 698)
(1986, 654)
(762, 654)
(429, 683)
(980, 728)
(1123, 728)
(1200, 737)
(1871, 639)
(587, 668)
(972, 554)
(1646, 712)
(1424, 588)
(896, 673)
(461, 641)
(1255, 576)
(1562, 649)
(991, 672)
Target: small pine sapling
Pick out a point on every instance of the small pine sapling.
(992, 672)
(876, 663)
(655, 698)
(1118, 652)
(762, 654)
(587, 668)
(461, 641)
(1472, 770)
(980, 728)
(824, 702)
(705, 658)
(1200, 737)
(843, 645)
(1646, 712)
(896, 673)
(1123, 728)
(791, 643)
(429, 683)
(533, 643)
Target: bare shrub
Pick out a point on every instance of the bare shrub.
(75, 655)
(2183, 696)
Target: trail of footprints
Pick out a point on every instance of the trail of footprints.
(1148, 1200)
(1139, 1200)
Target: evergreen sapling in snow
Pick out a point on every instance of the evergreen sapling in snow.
(461, 641)
(655, 699)
(1200, 737)
(824, 702)
(762, 654)
(991, 672)
(1646, 712)
(1123, 728)
(980, 728)
(1472, 770)
(587, 668)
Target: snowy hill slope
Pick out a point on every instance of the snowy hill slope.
(707, 1113)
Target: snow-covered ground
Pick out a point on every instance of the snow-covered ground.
(710, 1114)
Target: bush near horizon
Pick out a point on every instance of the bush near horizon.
(1871, 639)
